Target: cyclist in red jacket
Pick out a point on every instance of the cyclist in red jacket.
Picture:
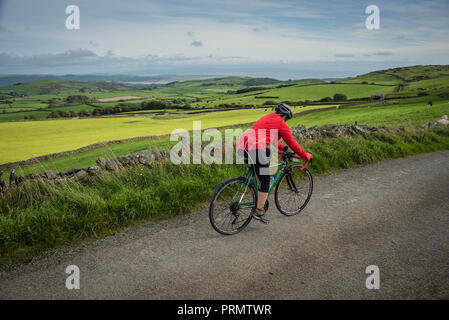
(255, 145)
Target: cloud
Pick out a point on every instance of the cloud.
(70, 57)
(344, 55)
(89, 60)
(196, 43)
(81, 61)
(380, 53)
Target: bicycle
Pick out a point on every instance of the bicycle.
(234, 200)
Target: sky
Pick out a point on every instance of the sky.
(285, 39)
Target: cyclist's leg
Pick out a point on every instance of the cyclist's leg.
(263, 191)
(264, 178)
(254, 157)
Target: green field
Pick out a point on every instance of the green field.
(23, 140)
(401, 75)
(400, 115)
(308, 92)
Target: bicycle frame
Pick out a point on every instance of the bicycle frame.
(250, 176)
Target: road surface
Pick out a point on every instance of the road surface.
(394, 215)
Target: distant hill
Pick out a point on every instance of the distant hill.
(59, 86)
(9, 80)
(396, 76)
(227, 82)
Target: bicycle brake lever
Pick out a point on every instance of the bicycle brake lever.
(304, 166)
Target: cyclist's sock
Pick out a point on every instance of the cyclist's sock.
(259, 214)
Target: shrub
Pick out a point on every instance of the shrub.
(340, 97)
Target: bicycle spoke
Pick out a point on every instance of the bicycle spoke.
(290, 201)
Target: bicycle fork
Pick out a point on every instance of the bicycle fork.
(291, 183)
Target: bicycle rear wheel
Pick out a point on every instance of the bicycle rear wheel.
(293, 191)
(232, 205)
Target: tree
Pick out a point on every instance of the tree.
(53, 114)
(340, 97)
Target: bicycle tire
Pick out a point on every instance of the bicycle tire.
(214, 210)
(297, 207)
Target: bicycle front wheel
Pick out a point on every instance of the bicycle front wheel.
(232, 205)
(293, 191)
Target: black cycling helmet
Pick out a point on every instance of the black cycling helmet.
(284, 110)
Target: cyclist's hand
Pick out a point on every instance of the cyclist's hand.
(308, 156)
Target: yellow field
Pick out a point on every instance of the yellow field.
(119, 98)
(24, 140)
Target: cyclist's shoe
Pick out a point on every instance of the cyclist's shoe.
(261, 216)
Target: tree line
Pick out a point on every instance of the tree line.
(120, 108)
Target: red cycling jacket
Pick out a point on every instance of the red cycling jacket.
(255, 137)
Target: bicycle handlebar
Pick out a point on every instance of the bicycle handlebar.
(285, 153)
(289, 154)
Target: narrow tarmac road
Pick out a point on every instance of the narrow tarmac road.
(394, 214)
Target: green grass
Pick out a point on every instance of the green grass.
(29, 104)
(36, 216)
(87, 158)
(316, 92)
(401, 75)
(76, 211)
(441, 83)
(395, 115)
(377, 78)
(302, 92)
(44, 87)
(20, 116)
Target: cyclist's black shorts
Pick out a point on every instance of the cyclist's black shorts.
(260, 159)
